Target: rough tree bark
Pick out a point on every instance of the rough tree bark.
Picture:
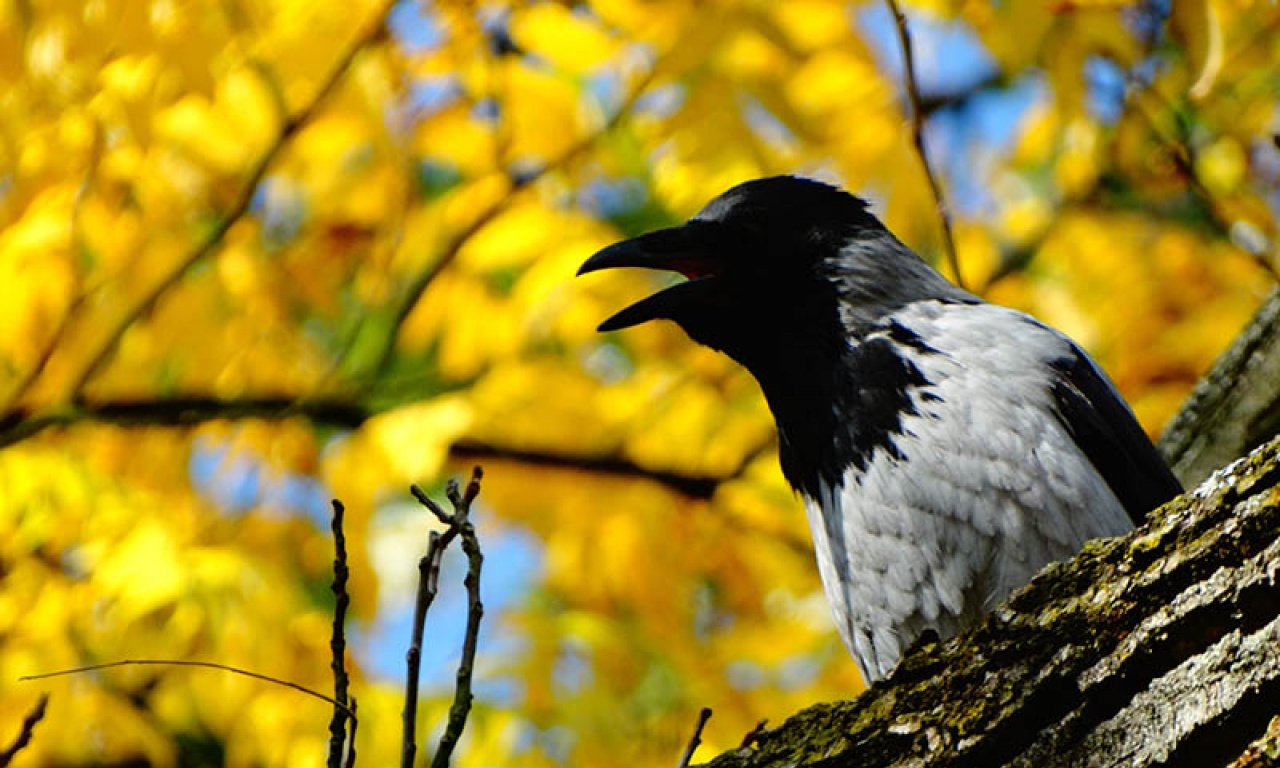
(1235, 407)
(1160, 647)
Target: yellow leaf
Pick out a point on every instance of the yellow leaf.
(571, 41)
(1197, 25)
(544, 112)
(1222, 165)
(143, 572)
(813, 24)
(415, 439)
(200, 131)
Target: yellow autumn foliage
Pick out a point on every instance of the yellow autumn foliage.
(255, 256)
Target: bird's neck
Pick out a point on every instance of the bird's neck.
(840, 402)
(806, 385)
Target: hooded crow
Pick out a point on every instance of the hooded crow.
(945, 448)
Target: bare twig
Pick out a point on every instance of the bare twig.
(695, 739)
(338, 641)
(917, 137)
(351, 738)
(202, 664)
(428, 585)
(461, 706)
(28, 727)
(453, 245)
(458, 524)
(752, 735)
(213, 238)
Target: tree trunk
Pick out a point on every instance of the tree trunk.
(1235, 407)
(1160, 647)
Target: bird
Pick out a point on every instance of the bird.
(945, 448)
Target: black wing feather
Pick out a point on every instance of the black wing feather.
(1106, 430)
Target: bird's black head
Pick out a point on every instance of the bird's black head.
(786, 276)
(759, 259)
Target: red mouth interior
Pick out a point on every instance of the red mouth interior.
(692, 268)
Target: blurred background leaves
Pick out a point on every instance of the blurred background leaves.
(254, 255)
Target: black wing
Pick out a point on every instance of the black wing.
(1106, 430)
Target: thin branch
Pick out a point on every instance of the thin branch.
(458, 524)
(202, 664)
(351, 738)
(941, 100)
(59, 333)
(1184, 159)
(453, 245)
(428, 586)
(244, 198)
(461, 706)
(346, 414)
(696, 738)
(28, 727)
(917, 136)
(761, 727)
(33, 373)
(691, 485)
(338, 641)
(193, 409)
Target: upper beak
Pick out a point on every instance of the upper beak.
(686, 249)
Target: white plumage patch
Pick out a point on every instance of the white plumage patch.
(990, 488)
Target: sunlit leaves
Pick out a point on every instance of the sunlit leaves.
(409, 252)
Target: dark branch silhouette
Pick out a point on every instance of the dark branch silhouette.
(338, 734)
(458, 524)
(917, 137)
(24, 735)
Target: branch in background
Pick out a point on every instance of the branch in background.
(214, 238)
(461, 707)
(942, 100)
(917, 137)
(428, 584)
(457, 524)
(1243, 234)
(343, 413)
(695, 739)
(194, 409)
(351, 414)
(28, 727)
(1235, 407)
(202, 664)
(453, 246)
(692, 486)
(338, 644)
(350, 761)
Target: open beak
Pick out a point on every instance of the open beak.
(687, 249)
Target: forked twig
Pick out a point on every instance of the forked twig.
(457, 524)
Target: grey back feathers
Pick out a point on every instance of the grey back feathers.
(981, 484)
